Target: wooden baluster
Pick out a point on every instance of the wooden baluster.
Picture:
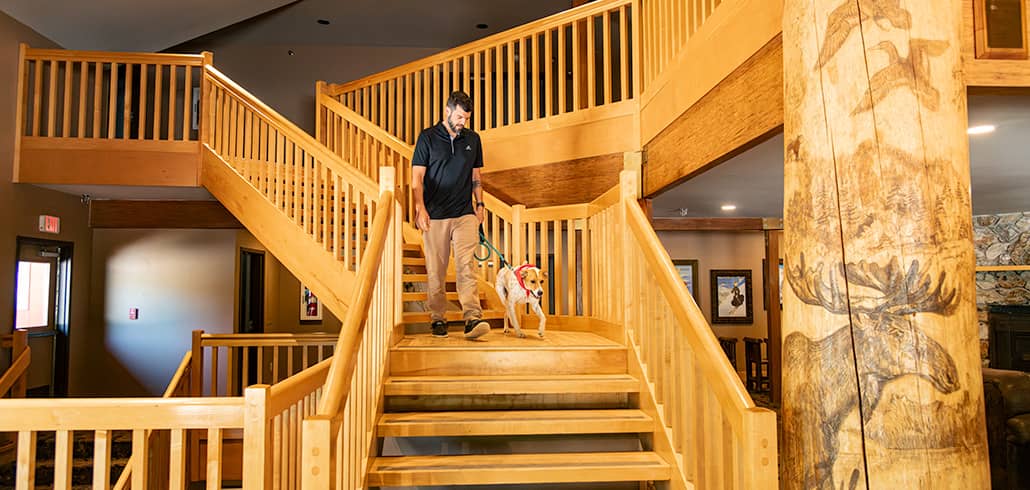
(214, 370)
(140, 459)
(290, 369)
(606, 39)
(98, 78)
(246, 145)
(509, 90)
(83, 89)
(37, 96)
(548, 92)
(278, 451)
(623, 55)
(297, 188)
(66, 108)
(591, 51)
(214, 459)
(187, 102)
(245, 369)
(348, 238)
(111, 100)
(577, 65)
(51, 101)
(275, 364)
(475, 91)
(158, 99)
(687, 415)
(531, 77)
(127, 104)
(523, 105)
(260, 365)
(172, 83)
(563, 75)
(488, 84)
(419, 102)
(62, 460)
(102, 460)
(141, 114)
(177, 459)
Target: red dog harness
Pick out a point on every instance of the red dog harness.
(518, 277)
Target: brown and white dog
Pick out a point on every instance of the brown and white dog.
(519, 286)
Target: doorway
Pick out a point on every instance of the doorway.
(42, 300)
(252, 308)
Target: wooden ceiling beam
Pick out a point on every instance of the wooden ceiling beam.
(717, 224)
(160, 214)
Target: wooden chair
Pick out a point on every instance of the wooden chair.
(756, 366)
(729, 346)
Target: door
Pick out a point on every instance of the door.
(42, 303)
(252, 307)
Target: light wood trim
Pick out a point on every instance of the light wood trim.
(15, 371)
(990, 268)
(366, 126)
(732, 396)
(180, 375)
(553, 213)
(102, 459)
(121, 413)
(267, 339)
(311, 147)
(214, 458)
(117, 57)
(62, 460)
(26, 460)
(524, 30)
(353, 325)
(709, 224)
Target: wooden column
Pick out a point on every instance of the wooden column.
(773, 313)
(882, 383)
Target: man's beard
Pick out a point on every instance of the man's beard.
(450, 126)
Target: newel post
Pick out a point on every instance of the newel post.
(206, 110)
(256, 437)
(321, 116)
(316, 453)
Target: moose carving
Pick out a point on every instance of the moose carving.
(882, 343)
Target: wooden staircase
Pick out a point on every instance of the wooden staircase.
(505, 411)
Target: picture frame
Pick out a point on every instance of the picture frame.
(310, 306)
(688, 272)
(731, 296)
(765, 286)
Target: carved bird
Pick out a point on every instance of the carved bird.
(845, 18)
(911, 72)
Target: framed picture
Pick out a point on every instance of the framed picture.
(765, 286)
(688, 270)
(310, 307)
(731, 296)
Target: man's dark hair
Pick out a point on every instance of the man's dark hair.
(459, 98)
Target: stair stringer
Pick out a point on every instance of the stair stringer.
(305, 258)
(662, 442)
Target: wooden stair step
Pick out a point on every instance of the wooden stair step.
(424, 296)
(494, 355)
(510, 384)
(499, 469)
(412, 247)
(451, 316)
(517, 422)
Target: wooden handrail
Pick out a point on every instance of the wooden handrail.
(180, 373)
(732, 396)
(365, 125)
(561, 18)
(265, 339)
(109, 56)
(310, 145)
(342, 368)
(285, 393)
(15, 371)
(120, 413)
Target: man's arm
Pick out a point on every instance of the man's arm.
(418, 174)
(477, 193)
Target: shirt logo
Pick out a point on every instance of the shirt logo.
(468, 147)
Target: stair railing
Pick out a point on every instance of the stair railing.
(13, 380)
(574, 61)
(338, 441)
(719, 438)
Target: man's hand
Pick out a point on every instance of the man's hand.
(480, 213)
(422, 218)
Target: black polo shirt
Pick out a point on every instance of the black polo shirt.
(447, 187)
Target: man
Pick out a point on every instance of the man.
(445, 177)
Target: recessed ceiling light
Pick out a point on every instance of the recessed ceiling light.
(323, 22)
(482, 26)
(728, 207)
(289, 52)
(981, 129)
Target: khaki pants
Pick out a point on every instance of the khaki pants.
(461, 234)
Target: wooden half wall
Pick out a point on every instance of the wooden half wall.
(44, 160)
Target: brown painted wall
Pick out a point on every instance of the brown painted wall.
(21, 204)
(180, 280)
(724, 250)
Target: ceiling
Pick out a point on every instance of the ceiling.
(156, 25)
(753, 180)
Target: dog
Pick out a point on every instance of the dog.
(519, 286)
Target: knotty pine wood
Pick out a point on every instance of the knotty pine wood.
(736, 114)
(882, 384)
(555, 184)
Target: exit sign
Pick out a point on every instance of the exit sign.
(49, 224)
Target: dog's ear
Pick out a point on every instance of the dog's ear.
(523, 273)
(543, 273)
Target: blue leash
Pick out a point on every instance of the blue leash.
(490, 250)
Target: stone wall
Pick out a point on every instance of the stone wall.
(1001, 239)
